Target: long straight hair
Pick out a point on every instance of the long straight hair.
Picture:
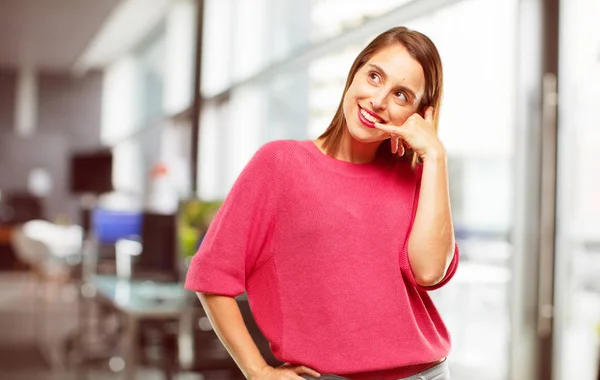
(423, 51)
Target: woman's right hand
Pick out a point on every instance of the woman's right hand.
(284, 372)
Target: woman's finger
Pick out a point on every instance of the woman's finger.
(391, 129)
(400, 147)
(397, 145)
(403, 134)
(429, 114)
(306, 370)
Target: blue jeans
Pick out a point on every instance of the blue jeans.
(439, 372)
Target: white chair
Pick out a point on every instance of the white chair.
(49, 249)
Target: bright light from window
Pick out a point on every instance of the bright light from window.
(120, 100)
(179, 56)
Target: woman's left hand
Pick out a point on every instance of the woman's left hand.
(417, 133)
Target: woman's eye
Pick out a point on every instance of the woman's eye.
(401, 96)
(374, 77)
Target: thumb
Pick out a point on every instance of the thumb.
(429, 114)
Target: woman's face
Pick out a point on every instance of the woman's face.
(387, 89)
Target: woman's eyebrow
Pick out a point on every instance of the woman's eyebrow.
(384, 75)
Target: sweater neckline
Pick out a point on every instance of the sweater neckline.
(340, 166)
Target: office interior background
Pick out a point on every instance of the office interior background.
(169, 99)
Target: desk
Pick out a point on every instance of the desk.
(140, 300)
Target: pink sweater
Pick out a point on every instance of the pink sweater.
(320, 247)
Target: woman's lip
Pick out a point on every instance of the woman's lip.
(371, 113)
(366, 122)
(362, 119)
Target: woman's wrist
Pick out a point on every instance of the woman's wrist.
(254, 371)
(435, 156)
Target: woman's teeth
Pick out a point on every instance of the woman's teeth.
(370, 117)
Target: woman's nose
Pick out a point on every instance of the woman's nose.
(378, 101)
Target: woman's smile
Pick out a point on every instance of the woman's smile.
(368, 118)
(387, 89)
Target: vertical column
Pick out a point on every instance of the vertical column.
(535, 199)
(27, 102)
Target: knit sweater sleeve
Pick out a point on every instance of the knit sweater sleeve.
(240, 230)
(404, 260)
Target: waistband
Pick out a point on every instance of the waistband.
(440, 371)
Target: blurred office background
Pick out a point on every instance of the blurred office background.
(123, 123)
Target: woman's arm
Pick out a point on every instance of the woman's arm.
(228, 323)
(226, 319)
(431, 242)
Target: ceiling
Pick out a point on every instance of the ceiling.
(49, 34)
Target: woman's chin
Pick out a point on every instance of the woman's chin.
(365, 135)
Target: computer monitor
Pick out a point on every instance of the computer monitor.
(159, 259)
(91, 172)
(109, 226)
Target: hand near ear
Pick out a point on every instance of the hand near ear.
(417, 133)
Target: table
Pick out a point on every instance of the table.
(140, 300)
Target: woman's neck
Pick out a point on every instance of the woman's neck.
(351, 150)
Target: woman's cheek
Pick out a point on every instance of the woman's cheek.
(400, 117)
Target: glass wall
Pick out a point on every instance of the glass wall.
(271, 90)
(249, 64)
(331, 18)
(145, 92)
(577, 281)
(477, 127)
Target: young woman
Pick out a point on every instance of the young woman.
(337, 241)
